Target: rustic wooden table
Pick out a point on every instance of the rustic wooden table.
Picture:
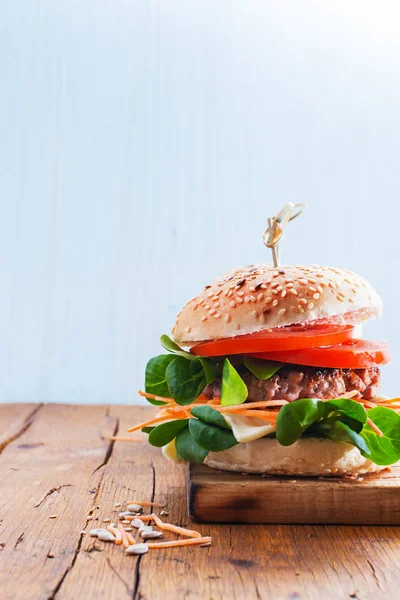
(58, 460)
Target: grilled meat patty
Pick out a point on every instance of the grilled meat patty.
(294, 382)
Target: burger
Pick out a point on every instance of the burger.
(266, 372)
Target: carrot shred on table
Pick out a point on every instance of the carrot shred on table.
(142, 503)
(175, 528)
(374, 427)
(116, 533)
(149, 423)
(125, 540)
(187, 542)
(130, 537)
(116, 438)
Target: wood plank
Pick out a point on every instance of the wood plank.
(53, 468)
(245, 562)
(14, 420)
(223, 497)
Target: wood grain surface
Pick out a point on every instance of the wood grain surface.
(62, 463)
(223, 497)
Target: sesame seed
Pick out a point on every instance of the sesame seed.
(212, 311)
(283, 293)
(275, 274)
(227, 318)
(300, 309)
(232, 303)
(303, 281)
(247, 299)
(254, 313)
(302, 301)
(275, 285)
(312, 289)
(316, 295)
(319, 288)
(290, 285)
(240, 283)
(252, 288)
(187, 329)
(217, 293)
(241, 294)
(204, 318)
(275, 303)
(268, 300)
(237, 326)
(207, 306)
(293, 291)
(311, 305)
(252, 298)
(263, 286)
(216, 304)
(310, 280)
(281, 311)
(340, 298)
(262, 319)
(239, 300)
(210, 294)
(230, 294)
(260, 297)
(217, 315)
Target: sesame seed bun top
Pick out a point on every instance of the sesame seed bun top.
(259, 297)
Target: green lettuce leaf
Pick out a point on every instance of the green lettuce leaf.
(262, 369)
(233, 389)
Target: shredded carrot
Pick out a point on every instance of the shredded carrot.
(264, 415)
(149, 423)
(125, 541)
(130, 537)
(349, 395)
(215, 401)
(188, 542)
(179, 530)
(252, 405)
(153, 397)
(116, 438)
(144, 518)
(369, 404)
(116, 533)
(374, 427)
(141, 503)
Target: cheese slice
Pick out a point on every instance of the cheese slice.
(247, 429)
(169, 451)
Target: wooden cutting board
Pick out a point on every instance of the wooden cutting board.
(218, 497)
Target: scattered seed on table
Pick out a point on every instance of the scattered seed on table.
(83, 532)
(95, 532)
(137, 549)
(163, 513)
(148, 535)
(126, 513)
(89, 518)
(127, 528)
(53, 517)
(135, 508)
(125, 521)
(105, 536)
(117, 504)
(107, 520)
(137, 523)
(146, 528)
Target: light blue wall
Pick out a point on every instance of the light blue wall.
(144, 143)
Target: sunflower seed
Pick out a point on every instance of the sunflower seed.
(126, 514)
(94, 532)
(105, 536)
(137, 523)
(137, 549)
(135, 508)
(146, 528)
(148, 535)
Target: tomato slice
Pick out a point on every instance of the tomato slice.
(281, 338)
(353, 354)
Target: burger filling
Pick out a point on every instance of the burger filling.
(210, 403)
(294, 382)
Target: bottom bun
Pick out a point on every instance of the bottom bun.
(307, 456)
